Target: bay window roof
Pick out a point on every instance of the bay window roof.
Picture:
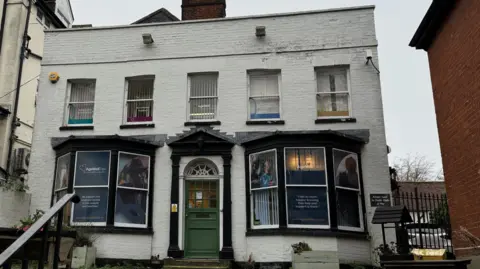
(151, 140)
(360, 136)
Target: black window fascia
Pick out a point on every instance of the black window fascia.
(280, 142)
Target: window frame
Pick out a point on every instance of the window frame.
(55, 191)
(48, 23)
(119, 224)
(252, 220)
(42, 15)
(68, 95)
(306, 186)
(264, 73)
(126, 100)
(189, 97)
(359, 194)
(319, 93)
(83, 224)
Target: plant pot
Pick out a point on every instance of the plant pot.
(315, 259)
(83, 257)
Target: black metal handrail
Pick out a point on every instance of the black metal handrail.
(43, 222)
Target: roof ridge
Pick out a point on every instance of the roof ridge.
(161, 10)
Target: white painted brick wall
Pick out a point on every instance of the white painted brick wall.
(354, 251)
(207, 38)
(136, 247)
(279, 248)
(14, 206)
(294, 44)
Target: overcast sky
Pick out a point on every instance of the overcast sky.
(406, 87)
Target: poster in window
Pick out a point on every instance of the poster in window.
(92, 206)
(307, 206)
(263, 170)
(133, 170)
(305, 166)
(92, 168)
(132, 191)
(346, 169)
(348, 208)
(131, 206)
(62, 173)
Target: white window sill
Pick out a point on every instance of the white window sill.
(350, 229)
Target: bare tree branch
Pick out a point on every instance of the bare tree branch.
(416, 168)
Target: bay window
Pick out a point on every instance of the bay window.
(112, 179)
(299, 184)
(264, 189)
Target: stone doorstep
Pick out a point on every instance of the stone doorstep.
(316, 266)
(194, 267)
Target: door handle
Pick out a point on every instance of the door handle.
(186, 215)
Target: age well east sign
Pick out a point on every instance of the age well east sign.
(380, 199)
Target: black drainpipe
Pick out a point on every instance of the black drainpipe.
(2, 24)
(17, 89)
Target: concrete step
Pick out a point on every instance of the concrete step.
(196, 264)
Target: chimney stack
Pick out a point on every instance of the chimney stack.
(203, 9)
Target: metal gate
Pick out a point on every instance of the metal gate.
(431, 221)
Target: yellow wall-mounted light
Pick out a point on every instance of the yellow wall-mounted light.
(53, 77)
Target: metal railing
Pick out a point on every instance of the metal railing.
(43, 222)
(431, 221)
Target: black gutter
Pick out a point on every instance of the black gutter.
(433, 21)
(19, 83)
(2, 24)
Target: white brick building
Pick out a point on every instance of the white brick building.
(246, 143)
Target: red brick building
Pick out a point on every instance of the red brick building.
(450, 33)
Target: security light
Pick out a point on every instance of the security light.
(147, 39)
(369, 54)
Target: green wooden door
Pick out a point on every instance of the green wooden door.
(201, 219)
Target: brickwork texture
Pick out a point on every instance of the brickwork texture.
(454, 65)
